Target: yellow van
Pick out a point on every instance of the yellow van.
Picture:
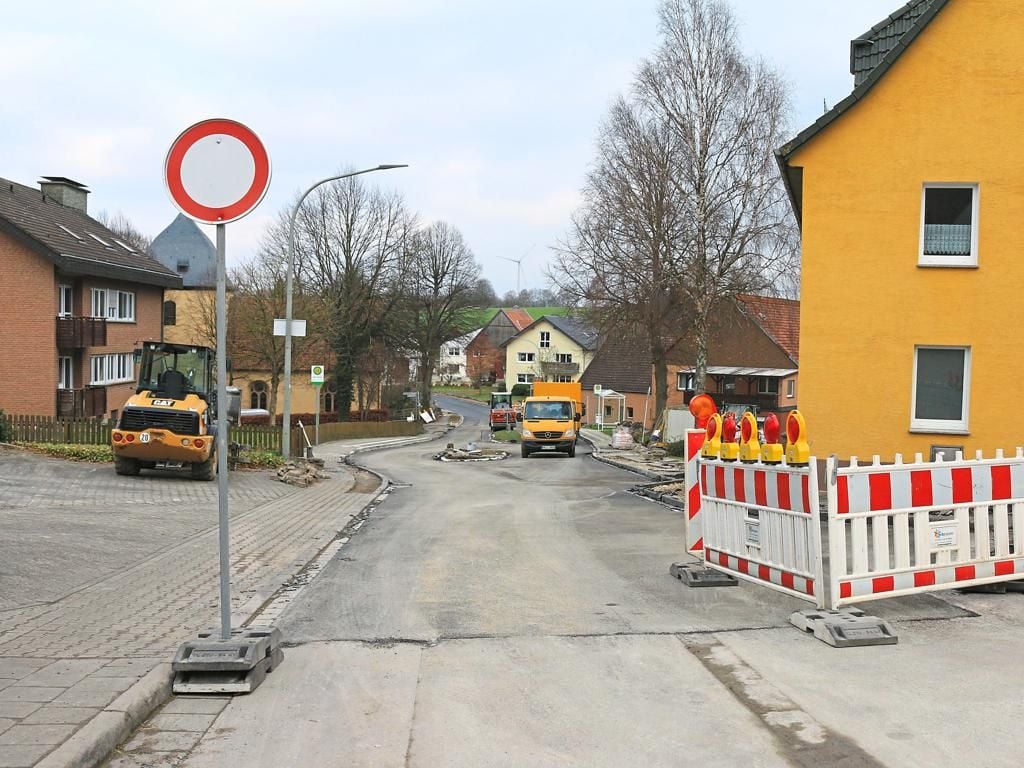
(549, 424)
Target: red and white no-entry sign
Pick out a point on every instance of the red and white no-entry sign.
(217, 171)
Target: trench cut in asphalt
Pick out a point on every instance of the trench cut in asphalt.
(519, 613)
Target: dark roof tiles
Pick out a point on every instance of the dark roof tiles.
(77, 243)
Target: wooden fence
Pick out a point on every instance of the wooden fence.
(91, 431)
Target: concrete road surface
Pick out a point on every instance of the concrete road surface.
(519, 613)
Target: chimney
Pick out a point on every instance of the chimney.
(67, 192)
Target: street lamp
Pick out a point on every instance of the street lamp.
(286, 422)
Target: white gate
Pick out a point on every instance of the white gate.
(760, 523)
(906, 528)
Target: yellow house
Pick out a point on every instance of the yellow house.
(551, 348)
(910, 194)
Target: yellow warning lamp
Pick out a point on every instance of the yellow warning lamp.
(730, 448)
(750, 449)
(771, 451)
(798, 451)
(713, 439)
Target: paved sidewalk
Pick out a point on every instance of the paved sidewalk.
(65, 665)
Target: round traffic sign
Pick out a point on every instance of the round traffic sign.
(217, 171)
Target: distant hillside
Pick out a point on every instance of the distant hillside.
(480, 317)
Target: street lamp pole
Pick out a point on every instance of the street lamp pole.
(287, 418)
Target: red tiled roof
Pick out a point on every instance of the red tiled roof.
(779, 318)
(520, 318)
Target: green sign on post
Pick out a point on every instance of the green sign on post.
(316, 375)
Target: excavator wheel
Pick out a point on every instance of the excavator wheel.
(205, 470)
(126, 466)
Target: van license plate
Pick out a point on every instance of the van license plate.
(547, 447)
(144, 437)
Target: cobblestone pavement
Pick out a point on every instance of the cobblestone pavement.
(69, 645)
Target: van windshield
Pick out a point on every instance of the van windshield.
(554, 410)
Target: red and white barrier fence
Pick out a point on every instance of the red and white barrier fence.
(760, 523)
(694, 524)
(907, 528)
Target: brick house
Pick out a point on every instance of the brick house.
(485, 355)
(85, 300)
(753, 356)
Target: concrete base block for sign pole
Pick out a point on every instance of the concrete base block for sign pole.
(699, 575)
(850, 628)
(210, 664)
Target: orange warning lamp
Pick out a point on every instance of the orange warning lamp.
(713, 439)
(771, 451)
(798, 451)
(750, 448)
(730, 448)
(702, 407)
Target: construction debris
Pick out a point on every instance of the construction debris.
(471, 453)
(302, 472)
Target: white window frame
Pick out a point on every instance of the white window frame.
(65, 373)
(791, 388)
(525, 378)
(112, 304)
(115, 368)
(545, 339)
(65, 300)
(970, 260)
(942, 426)
(526, 357)
(563, 357)
(684, 377)
(563, 379)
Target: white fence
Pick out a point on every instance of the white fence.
(902, 529)
(760, 523)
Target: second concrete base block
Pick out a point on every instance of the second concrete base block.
(699, 575)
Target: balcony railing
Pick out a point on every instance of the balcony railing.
(81, 332)
(73, 403)
(553, 368)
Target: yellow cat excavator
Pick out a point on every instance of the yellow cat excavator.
(171, 420)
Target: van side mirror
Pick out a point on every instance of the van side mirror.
(519, 417)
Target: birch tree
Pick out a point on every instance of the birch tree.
(727, 113)
(624, 256)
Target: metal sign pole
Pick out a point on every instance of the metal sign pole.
(316, 430)
(222, 437)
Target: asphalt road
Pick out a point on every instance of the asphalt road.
(520, 613)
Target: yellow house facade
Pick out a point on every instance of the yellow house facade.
(552, 348)
(911, 198)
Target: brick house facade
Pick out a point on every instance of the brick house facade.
(84, 300)
(485, 355)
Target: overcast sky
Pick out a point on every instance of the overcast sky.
(493, 105)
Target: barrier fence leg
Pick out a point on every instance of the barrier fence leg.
(849, 627)
(696, 574)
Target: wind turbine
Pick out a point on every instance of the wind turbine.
(519, 266)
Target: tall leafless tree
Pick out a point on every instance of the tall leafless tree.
(624, 256)
(441, 284)
(727, 113)
(350, 242)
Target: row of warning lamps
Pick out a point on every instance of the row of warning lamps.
(720, 438)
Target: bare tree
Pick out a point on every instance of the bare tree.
(349, 251)
(624, 257)
(727, 114)
(442, 281)
(122, 226)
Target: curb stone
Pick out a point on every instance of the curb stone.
(598, 455)
(93, 743)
